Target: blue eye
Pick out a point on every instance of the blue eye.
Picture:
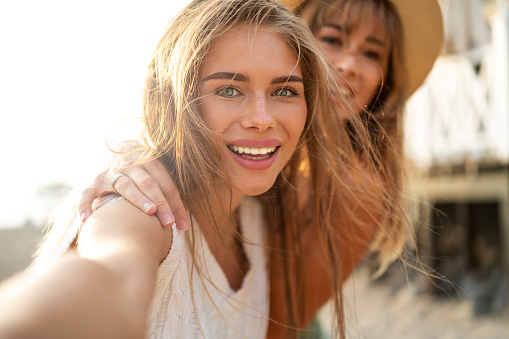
(227, 92)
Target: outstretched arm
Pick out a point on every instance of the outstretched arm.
(101, 291)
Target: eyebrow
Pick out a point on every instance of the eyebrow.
(369, 38)
(244, 78)
(227, 75)
(375, 41)
(284, 79)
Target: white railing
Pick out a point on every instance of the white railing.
(460, 115)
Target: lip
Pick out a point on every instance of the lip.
(255, 164)
(336, 100)
(256, 143)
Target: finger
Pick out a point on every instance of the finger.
(97, 189)
(171, 193)
(85, 203)
(170, 199)
(126, 187)
(146, 179)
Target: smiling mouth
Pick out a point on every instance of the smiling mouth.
(345, 93)
(253, 153)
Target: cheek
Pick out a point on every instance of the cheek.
(216, 116)
(374, 73)
(329, 51)
(373, 77)
(297, 122)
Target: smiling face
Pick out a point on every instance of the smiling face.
(252, 98)
(360, 52)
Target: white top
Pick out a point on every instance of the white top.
(218, 311)
(240, 314)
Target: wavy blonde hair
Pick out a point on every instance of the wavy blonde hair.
(178, 135)
(175, 132)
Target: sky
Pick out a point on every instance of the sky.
(69, 70)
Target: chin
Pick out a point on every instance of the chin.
(254, 187)
(256, 190)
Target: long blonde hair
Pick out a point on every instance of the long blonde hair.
(175, 132)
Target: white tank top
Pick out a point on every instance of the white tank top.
(218, 311)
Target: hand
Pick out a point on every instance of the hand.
(147, 186)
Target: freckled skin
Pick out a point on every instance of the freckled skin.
(258, 103)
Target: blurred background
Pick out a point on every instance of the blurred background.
(70, 70)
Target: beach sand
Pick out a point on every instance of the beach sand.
(381, 311)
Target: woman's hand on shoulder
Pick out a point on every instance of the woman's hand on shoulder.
(148, 186)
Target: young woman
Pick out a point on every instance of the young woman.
(236, 96)
(382, 50)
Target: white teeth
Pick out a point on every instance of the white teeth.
(345, 92)
(252, 150)
(256, 158)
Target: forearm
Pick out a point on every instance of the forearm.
(76, 298)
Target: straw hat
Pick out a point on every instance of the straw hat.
(423, 34)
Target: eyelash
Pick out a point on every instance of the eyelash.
(292, 90)
(220, 90)
(372, 55)
(287, 88)
(333, 41)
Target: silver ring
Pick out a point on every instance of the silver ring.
(114, 181)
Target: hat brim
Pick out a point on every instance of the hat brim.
(423, 34)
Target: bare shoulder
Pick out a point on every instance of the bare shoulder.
(120, 224)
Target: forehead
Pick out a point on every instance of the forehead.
(250, 49)
(359, 16)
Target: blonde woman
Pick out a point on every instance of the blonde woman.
(236, 95)
(382, 51)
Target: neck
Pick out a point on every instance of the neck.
(220, 213)
(219, 225)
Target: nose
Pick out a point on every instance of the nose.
(346, 64)
(258, 114)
